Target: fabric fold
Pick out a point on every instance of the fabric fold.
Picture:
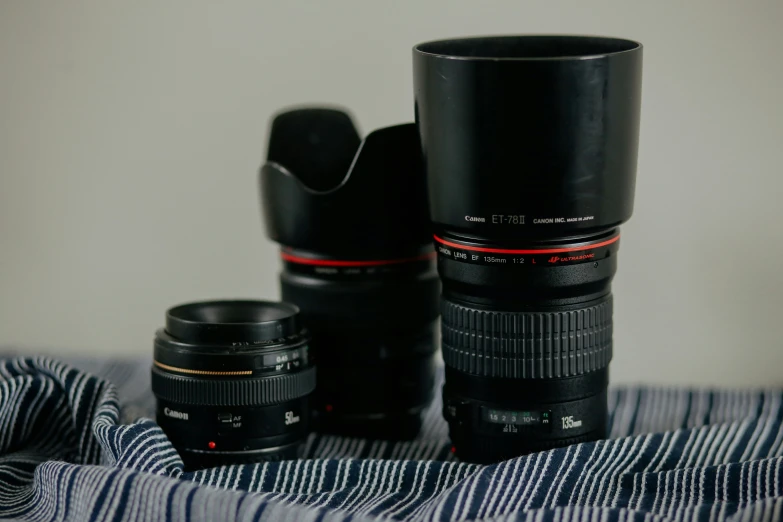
(676, 454)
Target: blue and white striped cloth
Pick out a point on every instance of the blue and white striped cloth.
(76, 445)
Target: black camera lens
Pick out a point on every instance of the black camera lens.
(530, 145)
(351, 217)
(232, 380)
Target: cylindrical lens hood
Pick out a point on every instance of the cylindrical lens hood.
(529, 137)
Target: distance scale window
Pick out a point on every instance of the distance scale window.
(517, 417)
(286, 360)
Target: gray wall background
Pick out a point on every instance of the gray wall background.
(131, 133)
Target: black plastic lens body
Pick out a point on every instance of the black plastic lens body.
(351, 218)
(530, 145)
(527, 340)
(232, 381)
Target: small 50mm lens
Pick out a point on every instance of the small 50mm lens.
(232, 380)
(530, 145)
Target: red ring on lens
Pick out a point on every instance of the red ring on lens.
(334, 262)
(528, 251)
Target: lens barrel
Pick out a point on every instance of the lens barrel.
(232, 381)
(351, 218)
(530, 144)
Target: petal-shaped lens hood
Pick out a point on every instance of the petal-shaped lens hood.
(324, 191)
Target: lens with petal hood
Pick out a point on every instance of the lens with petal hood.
(351, 218)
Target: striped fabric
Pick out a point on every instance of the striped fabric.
(75, 446)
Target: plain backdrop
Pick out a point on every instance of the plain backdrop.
(131, 134)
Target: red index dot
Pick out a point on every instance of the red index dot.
(211, 445)
(329, 407)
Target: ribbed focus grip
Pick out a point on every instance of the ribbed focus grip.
(527, 345)
(260, 391)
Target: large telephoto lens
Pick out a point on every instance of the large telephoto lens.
(232, 380)
(352, 221)
(530, 145)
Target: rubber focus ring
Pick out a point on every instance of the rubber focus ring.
(527, 345)
(260, 391)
